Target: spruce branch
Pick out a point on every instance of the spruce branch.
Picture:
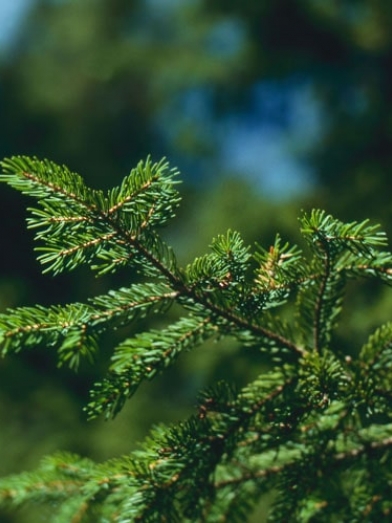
(75, 328)
(78, 224)
(314, 426)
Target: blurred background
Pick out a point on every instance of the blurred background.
(267, 108)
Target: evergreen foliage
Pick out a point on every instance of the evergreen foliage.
(315, 428)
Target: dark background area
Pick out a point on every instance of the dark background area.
(266, 108)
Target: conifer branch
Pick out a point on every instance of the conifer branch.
(312, 420)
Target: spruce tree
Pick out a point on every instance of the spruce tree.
(314, 427)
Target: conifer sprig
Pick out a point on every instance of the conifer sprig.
(78, 225)
(74, 328)
(315, 426)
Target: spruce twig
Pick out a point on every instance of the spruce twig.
(315, 427)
